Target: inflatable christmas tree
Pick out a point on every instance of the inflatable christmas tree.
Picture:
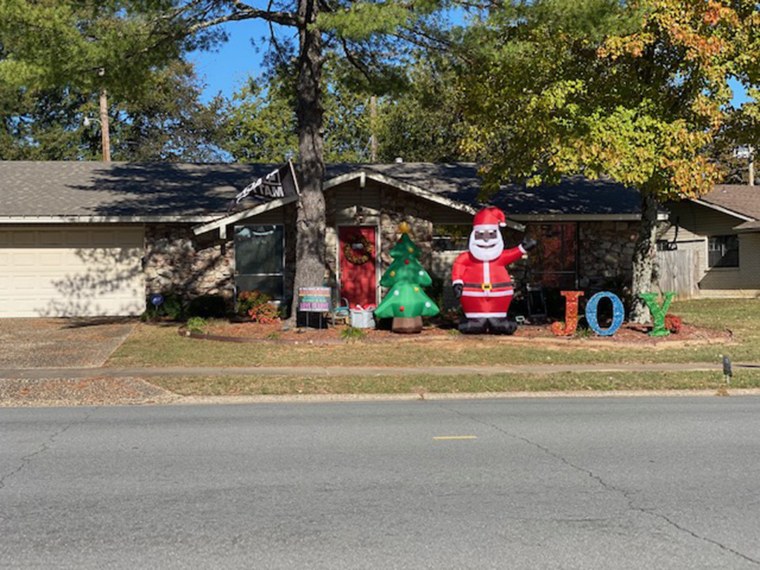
(406, 301)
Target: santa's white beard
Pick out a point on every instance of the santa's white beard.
(482, 253)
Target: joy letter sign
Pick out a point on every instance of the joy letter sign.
(618, 313)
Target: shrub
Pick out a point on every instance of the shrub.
(197, 325)
(264, 314)
(673, 323)
(246, 300)
(353, 334)
(257, 306)
(172, 308)
(208, 307)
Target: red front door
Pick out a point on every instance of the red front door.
(357, 251)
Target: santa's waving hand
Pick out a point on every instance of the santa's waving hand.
(480, 277)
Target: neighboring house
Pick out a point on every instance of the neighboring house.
(92, 238)
(714, 242)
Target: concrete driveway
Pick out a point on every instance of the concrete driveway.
(60, 343)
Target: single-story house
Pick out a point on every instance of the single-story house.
(93, 238)
(713, 242)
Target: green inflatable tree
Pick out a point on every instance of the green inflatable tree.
(406, 302)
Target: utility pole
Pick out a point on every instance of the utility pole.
(372, 126)
(105, 135)
(751, 166)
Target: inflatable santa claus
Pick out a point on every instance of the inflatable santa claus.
(480, 278)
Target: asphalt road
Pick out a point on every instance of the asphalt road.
(549, 483)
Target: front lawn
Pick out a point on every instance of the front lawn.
(153, 345)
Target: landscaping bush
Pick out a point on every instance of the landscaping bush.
(257, 306)
(208, 307)
(197, 325)
(673, 323)
(172, 308)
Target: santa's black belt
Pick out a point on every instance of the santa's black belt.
(489, 285)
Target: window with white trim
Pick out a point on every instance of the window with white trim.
(259, 259)
(723, 251)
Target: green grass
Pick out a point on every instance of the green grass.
(159, 346)
(424, 383)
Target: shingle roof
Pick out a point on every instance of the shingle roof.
(743, 200)
(121, 189)
(198, 191)
(458, 181)
(572, 196)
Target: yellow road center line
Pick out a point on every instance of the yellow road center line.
(454, 437)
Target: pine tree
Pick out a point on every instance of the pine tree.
(406, 301)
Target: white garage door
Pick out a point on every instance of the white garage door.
(71, 272)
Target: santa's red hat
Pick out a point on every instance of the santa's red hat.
(489, 218)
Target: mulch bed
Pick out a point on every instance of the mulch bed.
(628, 334)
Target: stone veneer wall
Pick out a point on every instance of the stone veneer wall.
(606, 254)
(178, 261)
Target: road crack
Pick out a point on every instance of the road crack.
(607, 486)
(45, 446)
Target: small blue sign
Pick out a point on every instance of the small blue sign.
(156, 300)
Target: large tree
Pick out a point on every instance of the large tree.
(44, 125)
(419, 121)
(169, 122)
(365, 35)
(425, 122)
(632, 90)
(261, 123)
(90, 46)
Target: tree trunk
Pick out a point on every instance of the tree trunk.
(310, 218)
(644, 255)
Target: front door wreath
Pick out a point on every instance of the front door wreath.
(358, 250)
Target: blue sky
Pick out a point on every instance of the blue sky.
(227, 69)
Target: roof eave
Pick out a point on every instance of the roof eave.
(79, 219)
(362, 175)
(661, 216)
(222, 223)
(722, 210)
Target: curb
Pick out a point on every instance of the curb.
(433, 397)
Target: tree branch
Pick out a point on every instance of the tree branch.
(325, 6)
(353, 60)
(282, 18)
(421, 38)
(273, 38)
